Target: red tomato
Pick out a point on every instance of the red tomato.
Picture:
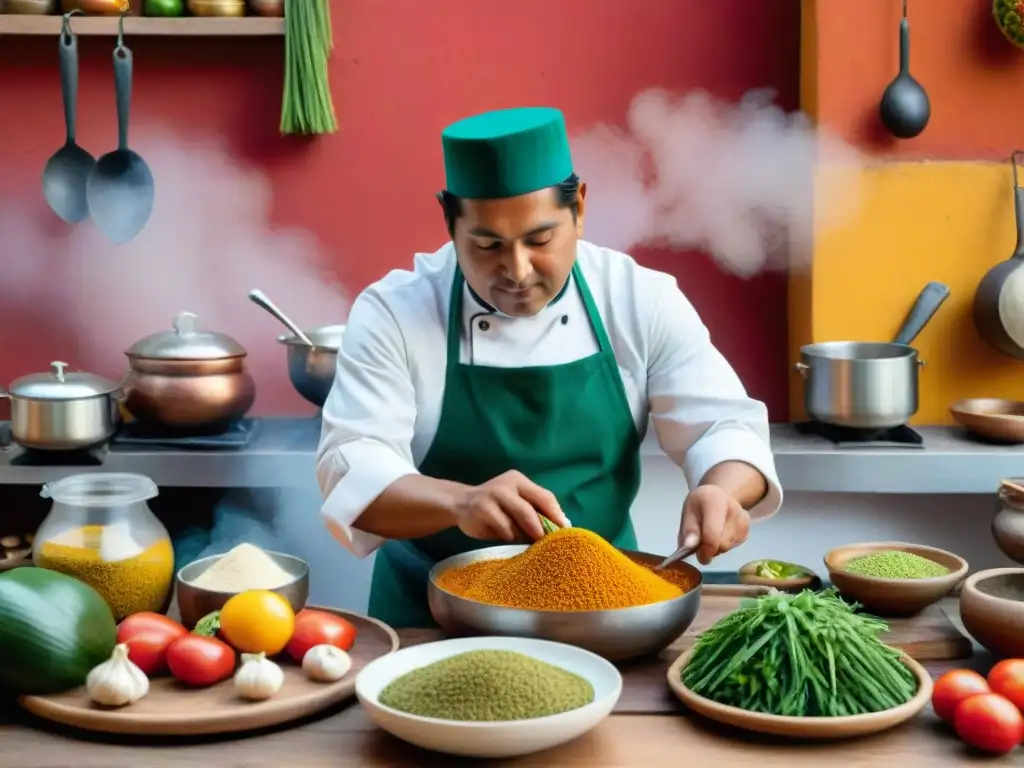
(1007, 679)
(199, 660)
(952, 688)
(314, 627)
(989, 722)
(148, 636)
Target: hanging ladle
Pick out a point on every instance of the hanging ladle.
(258, 297)
(905, 108)
(120, 188)
(66, 173)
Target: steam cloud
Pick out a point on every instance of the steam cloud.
(207, 244)
(735, 180)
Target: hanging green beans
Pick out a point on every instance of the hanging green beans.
(306, 106)
(799, 655)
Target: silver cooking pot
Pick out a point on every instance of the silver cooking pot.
(63, 411)
(311, 369)
(868, 385)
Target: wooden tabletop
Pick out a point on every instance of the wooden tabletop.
(346, 737)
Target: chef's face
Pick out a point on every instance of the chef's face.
(517, 252)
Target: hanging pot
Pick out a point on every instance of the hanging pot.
(188, 379)
(999, 300)
(63, 411)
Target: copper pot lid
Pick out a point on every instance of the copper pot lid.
(61, 385)
(186, 342)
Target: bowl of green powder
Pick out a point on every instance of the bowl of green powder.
(892, 578)
(489, 697)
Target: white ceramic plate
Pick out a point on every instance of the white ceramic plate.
(501, 739)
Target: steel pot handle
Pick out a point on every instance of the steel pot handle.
(802, 368)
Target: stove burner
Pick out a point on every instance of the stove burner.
(850, 437)
(34, 458)
(234, 435)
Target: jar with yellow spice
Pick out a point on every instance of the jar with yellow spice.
(101, 531)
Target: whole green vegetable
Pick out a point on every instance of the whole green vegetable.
(53, 630)
(800, 655)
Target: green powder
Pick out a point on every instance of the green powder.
(895, 565)
(487, 686)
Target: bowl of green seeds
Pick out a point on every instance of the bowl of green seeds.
(489, 697)
(892, 578)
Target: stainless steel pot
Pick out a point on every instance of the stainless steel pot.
(311, 369)
(188, 379)
(62, 411)
(868, 385)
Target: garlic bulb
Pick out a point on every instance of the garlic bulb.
(117, 681)
(258, 678)
(326, 664)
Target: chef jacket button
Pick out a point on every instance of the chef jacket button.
(484, 325)
(565, 319)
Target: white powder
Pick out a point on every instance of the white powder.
(243, 568)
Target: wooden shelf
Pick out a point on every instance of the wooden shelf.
(189, 26)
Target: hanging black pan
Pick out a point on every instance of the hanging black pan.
(999, 300)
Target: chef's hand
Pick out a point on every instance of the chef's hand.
(716, 519)
(505, 505)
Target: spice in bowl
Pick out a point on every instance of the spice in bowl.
(244, 568)
(571, 569)
(487, 686)
(895, 564)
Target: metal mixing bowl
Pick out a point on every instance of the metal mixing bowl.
(311, 369)
(622, 633)
(195, 602)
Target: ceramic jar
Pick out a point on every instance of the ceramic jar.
(1008, 523)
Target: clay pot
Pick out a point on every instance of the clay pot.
(1008, 523)
(992, 610)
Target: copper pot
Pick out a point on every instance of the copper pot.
(188, 379)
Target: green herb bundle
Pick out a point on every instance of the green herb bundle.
(306, 106)
(802, 655)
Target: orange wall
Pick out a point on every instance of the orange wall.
(972, 75)
(401, 71)
(938, 207)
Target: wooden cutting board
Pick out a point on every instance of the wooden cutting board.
(928, 636)
(173, 709)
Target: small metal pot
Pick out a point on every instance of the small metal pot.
(868, 385)
(61, 411)
(311, 369)
(188, 379)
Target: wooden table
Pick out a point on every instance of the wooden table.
(346, 737)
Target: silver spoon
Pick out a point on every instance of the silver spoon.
(680, 554)
(120, 190)
(67, 172)
(258, 297)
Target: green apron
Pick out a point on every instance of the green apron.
(567, 427)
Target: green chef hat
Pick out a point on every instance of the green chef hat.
(506, 153)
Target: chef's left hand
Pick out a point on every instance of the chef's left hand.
(716, 519)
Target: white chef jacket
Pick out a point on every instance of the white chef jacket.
(383, 410)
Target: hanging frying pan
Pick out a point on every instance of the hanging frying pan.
(999, 300)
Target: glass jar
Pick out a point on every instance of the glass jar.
(101, 531)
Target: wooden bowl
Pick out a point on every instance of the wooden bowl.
(894, 597)
(992, 610)
(803, 727)
(991, 418)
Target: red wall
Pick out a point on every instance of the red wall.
(401, 71)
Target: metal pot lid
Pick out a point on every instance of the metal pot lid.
(186, 342)
(60, 385)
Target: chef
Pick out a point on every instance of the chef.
(515, 371)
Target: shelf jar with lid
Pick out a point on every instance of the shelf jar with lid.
(100, 530)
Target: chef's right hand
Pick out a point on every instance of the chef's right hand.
(505, 505)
